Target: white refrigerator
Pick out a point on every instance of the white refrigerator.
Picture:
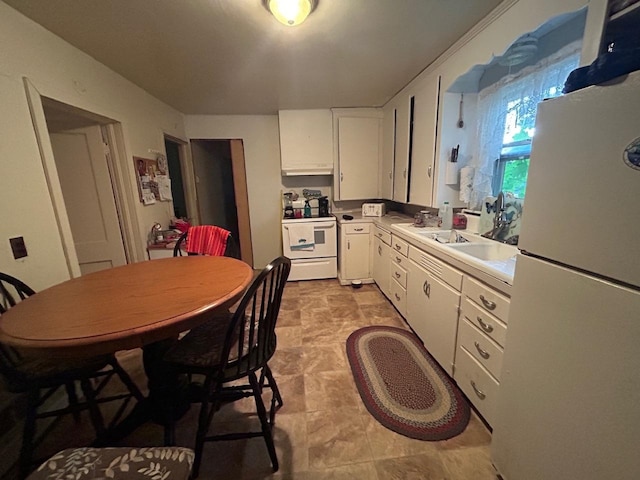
(569, 402)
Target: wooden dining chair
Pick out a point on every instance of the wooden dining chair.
(232, 249)
(40, 378)
(233, 347)
(123, 463)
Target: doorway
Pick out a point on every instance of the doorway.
(82, 153)
(221, 189)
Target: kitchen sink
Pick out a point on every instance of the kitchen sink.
(486, 251)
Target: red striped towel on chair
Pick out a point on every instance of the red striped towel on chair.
(207, 240)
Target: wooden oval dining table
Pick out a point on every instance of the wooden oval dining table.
(144, 304)
(125, 307)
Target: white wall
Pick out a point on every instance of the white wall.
(260, 137)
(60, 71)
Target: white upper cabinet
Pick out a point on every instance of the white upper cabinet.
(425, 119)
(357, 149)
(385, 183)
(306, 142)
(401, 148)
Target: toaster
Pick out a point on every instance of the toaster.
(372, 209)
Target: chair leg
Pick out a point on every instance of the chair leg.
(28, 433)
(264, 422)
(72, 395)
(276, 395)
(126, 380)
(94, 412)
(207, 410)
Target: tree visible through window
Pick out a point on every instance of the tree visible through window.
(506, 127)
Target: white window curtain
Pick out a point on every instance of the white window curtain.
(510, 105)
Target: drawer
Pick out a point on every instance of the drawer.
(399, 246)
(487, 352)
(486, 322)
(356, 228)
(435, 267)
(398, 259)
(488, 299)
(399, 274)
(382, 234)
(398, 297)
(477, 384)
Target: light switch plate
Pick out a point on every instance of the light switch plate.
(18, 247)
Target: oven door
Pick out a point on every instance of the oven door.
(324, 236)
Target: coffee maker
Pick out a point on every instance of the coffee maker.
(323, 206)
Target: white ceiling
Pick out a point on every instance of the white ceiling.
(233, 57)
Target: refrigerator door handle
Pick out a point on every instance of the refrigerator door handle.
(488, 303)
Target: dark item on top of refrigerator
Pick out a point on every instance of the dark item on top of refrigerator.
(607, 66)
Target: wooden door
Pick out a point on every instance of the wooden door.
(80, 157)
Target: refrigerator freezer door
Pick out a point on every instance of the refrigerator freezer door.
(581, 204)
(570, 385)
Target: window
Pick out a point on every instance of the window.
(506, 123)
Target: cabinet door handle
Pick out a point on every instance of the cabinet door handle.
(479, 392)
(488, 303)
(341, 176)
(483, 353)
(397, 296)
(397, 247)
(380, 250)
(426, 288)
(398, 259)
(397, 275)
(391, 175)
(485, 326)
(348, 245)
(404, 173)
(429, 172)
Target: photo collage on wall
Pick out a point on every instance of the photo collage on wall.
(154, 183)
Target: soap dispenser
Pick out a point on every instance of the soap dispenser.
(307, 209)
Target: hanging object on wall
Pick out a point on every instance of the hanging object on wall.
(153, 179)
(460, 121)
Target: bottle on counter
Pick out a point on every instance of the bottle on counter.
(446, 216)
(307, 209)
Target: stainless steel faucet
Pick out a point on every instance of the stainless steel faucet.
(500, 221)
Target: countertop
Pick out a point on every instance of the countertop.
(496, 273)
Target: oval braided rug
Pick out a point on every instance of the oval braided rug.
(403, 387)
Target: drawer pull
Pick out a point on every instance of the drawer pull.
(379, 235)
(398, 259)
(397, 296)
(479, 392)
(426, 288)
(397, 247)
(358, 229)
(488, 303)
(397, 275)
(485, 326)
(379, 250)
(483, 353)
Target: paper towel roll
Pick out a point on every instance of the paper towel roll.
(451, 173)
(466, 183)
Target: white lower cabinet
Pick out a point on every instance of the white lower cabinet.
(355, 252)
(482, 334)
(433, 306)
(381, 265)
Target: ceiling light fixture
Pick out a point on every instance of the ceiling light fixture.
(290, 12)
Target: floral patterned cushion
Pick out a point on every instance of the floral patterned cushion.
(153, 463)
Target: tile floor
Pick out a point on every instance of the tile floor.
(323, 430)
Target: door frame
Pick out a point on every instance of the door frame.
(188, 176)
(240, 189)
(123, 193)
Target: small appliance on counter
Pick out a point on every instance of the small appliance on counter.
(373, 209)
(323, 207)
